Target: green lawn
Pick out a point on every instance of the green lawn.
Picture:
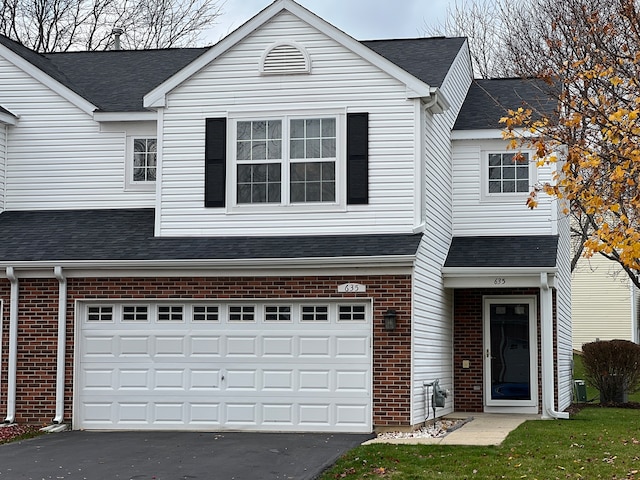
(596, 443)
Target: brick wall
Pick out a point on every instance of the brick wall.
(468, 345)
(35, 398)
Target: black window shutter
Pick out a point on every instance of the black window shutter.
(357, 158)
(215, 162)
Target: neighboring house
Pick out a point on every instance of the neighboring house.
(604, 302)
(224, 238)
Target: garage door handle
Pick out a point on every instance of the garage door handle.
(222, 377)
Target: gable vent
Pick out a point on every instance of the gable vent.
(285, 59)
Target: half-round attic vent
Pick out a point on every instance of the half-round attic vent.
(285, 58)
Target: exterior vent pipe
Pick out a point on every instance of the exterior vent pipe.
(116, 32)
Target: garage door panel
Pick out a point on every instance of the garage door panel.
(173, 346)
(317, 346)
(277, 380)
(99, 346)
(99, 379)
(134, 346)
(241, 380)
(278, 376)
(170, 379)
(315, 380)
(205, 346)
(244, 413)
(278, 347)
(352, 381)
(349, 347)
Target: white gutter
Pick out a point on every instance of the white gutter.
(62, 324)
(209, 264)
(13, 346)
(548, 380)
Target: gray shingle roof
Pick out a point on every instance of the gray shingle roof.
(116, 81)
(93, 235)
(510, 251)
(488, 100)
(428, 59)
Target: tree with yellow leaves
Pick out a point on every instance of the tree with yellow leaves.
(591, 62)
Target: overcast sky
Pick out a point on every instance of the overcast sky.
(362, 19)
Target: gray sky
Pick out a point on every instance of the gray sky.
(362, 19)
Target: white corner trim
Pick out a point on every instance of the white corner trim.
(156, 98)
(33, 71)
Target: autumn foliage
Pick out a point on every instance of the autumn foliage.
(592, 67)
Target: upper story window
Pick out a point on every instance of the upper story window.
(144, 159)
(142, 162)
(508, 173)
(286, 161)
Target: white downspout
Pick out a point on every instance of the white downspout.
(62, 325)
(13, 346)
(548, 378)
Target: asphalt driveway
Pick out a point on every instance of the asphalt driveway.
(173, 456)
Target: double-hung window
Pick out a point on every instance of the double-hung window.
(286, 160)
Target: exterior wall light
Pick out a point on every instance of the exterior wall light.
(390, 317)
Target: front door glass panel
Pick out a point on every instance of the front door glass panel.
(509, 351)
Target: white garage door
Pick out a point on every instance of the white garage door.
(270, 366)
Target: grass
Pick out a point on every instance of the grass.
(596, 443)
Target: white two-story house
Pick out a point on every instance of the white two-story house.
(291, 230)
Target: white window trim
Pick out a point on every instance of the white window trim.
(517, 197)
(130, 184)
(339, 205)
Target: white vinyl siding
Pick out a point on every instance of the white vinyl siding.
(340, 81)
(601, 302)
(474, 213)
(58, 156)
(3, 163)
(433, 304)
(564, 311)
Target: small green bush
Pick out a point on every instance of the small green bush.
(613, 367)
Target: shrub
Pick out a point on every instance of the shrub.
(613, 367)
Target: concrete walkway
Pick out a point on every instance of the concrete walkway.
(483, 429)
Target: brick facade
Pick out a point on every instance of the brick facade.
(468, 340)
(38, 319)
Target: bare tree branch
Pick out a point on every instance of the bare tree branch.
(63, 25)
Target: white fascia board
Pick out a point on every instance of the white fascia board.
(216, 265)
(496, 277)
(491, 271)
(62, 90)
(415, 87)
(8, 119)
(125, 116)
(488, 134)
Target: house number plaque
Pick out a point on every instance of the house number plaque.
(352, 288)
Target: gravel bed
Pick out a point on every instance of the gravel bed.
(441, 428)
